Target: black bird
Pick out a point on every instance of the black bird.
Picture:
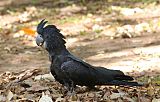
(70, 70)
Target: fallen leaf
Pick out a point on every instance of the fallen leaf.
(59, 99)
(156, 100)
(91, 95)
(25, 100)
(36, 88)
(120, 100)
(29, 32)
(145, 99)
(128, 99)
(73, 98)
(9, 96)
(2, 98)
(106, 95)
(24, 17)
(44, 77)
(117, 95)
(27, 74)
(27, 83)
(45, 98)
(150, 90)
(23, 76)
(28, 96)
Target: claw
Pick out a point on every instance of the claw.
(69, 93)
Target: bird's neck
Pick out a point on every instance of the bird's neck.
(56, 47)
(58, 51)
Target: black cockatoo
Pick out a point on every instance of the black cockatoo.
(70, 70)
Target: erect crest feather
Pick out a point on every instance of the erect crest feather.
(50, 30)
(41, 26)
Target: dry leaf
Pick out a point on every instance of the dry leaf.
(59, 99)
(150, 90)
(9, 96)
(29, 31)
(128, 99)
(156, 100)
(27, 74)
(91, 95)
(117, 95)
(45, 98)
(44, 77)
(36, 88)
(106, 95)
(144, 99)
(28, 96)
(120, 100)
(25, 100)
(2, 98)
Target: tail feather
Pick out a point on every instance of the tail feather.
(113, 77)
(124, 77)
(117, 82)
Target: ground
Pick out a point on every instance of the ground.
(114, 34)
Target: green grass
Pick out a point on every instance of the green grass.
(154, 80)
(73, 19)
(83, 32)
(144, 1)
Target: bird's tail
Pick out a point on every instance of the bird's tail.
(123, 77)
(113, 77)
(125, 83)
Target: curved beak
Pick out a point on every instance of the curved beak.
(39, 40)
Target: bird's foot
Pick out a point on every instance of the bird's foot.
(72, 96)
(71, 93)
(66, 88)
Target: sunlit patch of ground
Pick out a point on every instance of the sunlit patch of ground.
(122, 54)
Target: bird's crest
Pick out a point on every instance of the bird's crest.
(41, 26)
(52, 30)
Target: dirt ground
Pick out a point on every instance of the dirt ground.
(141, 53)
(127, 54)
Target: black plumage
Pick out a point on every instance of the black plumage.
(70, 70)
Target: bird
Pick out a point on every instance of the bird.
(69, 70)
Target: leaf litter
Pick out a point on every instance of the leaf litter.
(35, 85)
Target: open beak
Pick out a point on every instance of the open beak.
(39, 40)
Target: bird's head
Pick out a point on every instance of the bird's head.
(49, 36)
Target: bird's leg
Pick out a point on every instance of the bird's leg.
(72, 88)
(66, 86)
(71, 91)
